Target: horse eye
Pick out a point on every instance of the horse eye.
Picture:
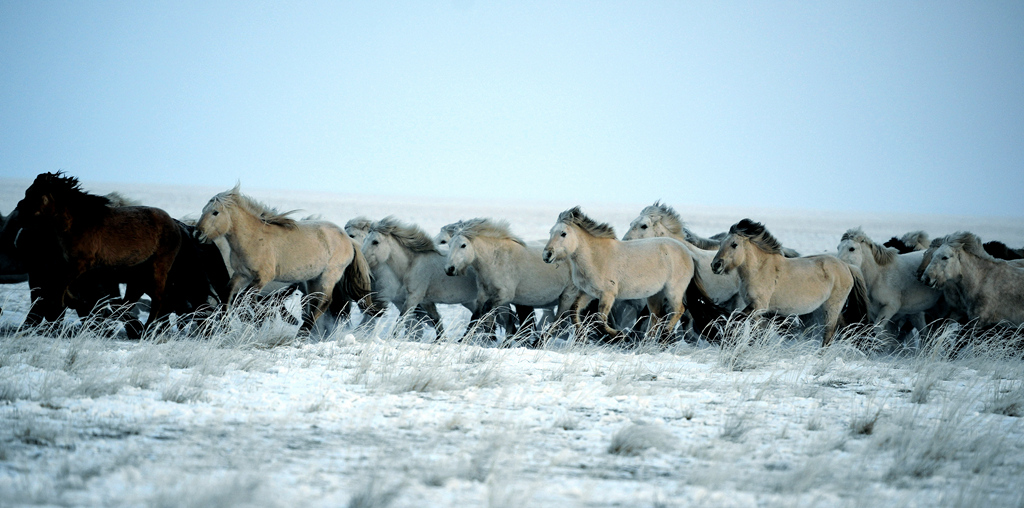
(215, 212)
(734, 245)
(644, 226)
(444, 242)
(463, 246)
(851, 249)
(351, 236)
(375, 242)
(945, 258)
(563, 234)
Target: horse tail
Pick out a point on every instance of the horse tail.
(355, 282)
(702, 308)
(856, 308)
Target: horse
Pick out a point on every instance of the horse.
(71, 235)
(909, 242)
(661, 220)
(410, 259)
(891, 278)
(508, 271)
(771, 282)
(989, 290)
(605, 268)
(266, 245)
(1000, 250)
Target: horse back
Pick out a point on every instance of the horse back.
(127, 236)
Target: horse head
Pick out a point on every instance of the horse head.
(215, 221)
(461, 255)
(943, 266)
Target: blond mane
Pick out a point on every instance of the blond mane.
(883, 255)
(261, 211)
(409, 236)
(575, 217)
(487, 228)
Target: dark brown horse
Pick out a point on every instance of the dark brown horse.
(70, 235)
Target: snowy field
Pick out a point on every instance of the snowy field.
(364, 418)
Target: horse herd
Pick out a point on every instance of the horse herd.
(77, 249)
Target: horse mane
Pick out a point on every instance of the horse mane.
(267, 214)
(883, 255)
(453, 228)
(489, 228)
(898, 244)
(575, 217)
(68, 191)
(757, 234)
(667, 216)
(409, 236)
(969, 243)
(916, 240)
(117, 200)
(361, 223)
(1000, 250)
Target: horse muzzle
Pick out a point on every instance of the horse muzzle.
(450, 271)
(718, 267)
(548, 256)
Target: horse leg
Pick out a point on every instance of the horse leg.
(434, 316)
(604, 307)
(582, 301)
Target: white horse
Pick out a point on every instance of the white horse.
(989, 290)
(788, 286)
(605, 268)
(508, 271)
(891, 278)
(408, 257)
(267, 245)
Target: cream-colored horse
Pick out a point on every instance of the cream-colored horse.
(891, 278)
(989, 290)
(787, 286)
(605, 268)
(267, 245)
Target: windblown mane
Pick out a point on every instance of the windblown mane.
(360, 223)
(882, 255)
(118, 199)
(757, 234)
(574, 216)
(968, 242)
(408, 236)
(1000, 250)
(67, 191)
(667, 216)
(917, 240)
(265, 213)
(453, 228)
(488, 228)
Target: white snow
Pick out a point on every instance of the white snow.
(365, 418)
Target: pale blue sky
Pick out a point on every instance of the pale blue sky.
(878, 106)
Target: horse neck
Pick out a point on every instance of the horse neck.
(400, 259)
(241, 235)
(975, 273)
(756, 261)
(590, 253)
(870, 267)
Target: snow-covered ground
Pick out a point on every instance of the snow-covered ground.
(365, 418)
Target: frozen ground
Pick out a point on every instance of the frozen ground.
(366, 419)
